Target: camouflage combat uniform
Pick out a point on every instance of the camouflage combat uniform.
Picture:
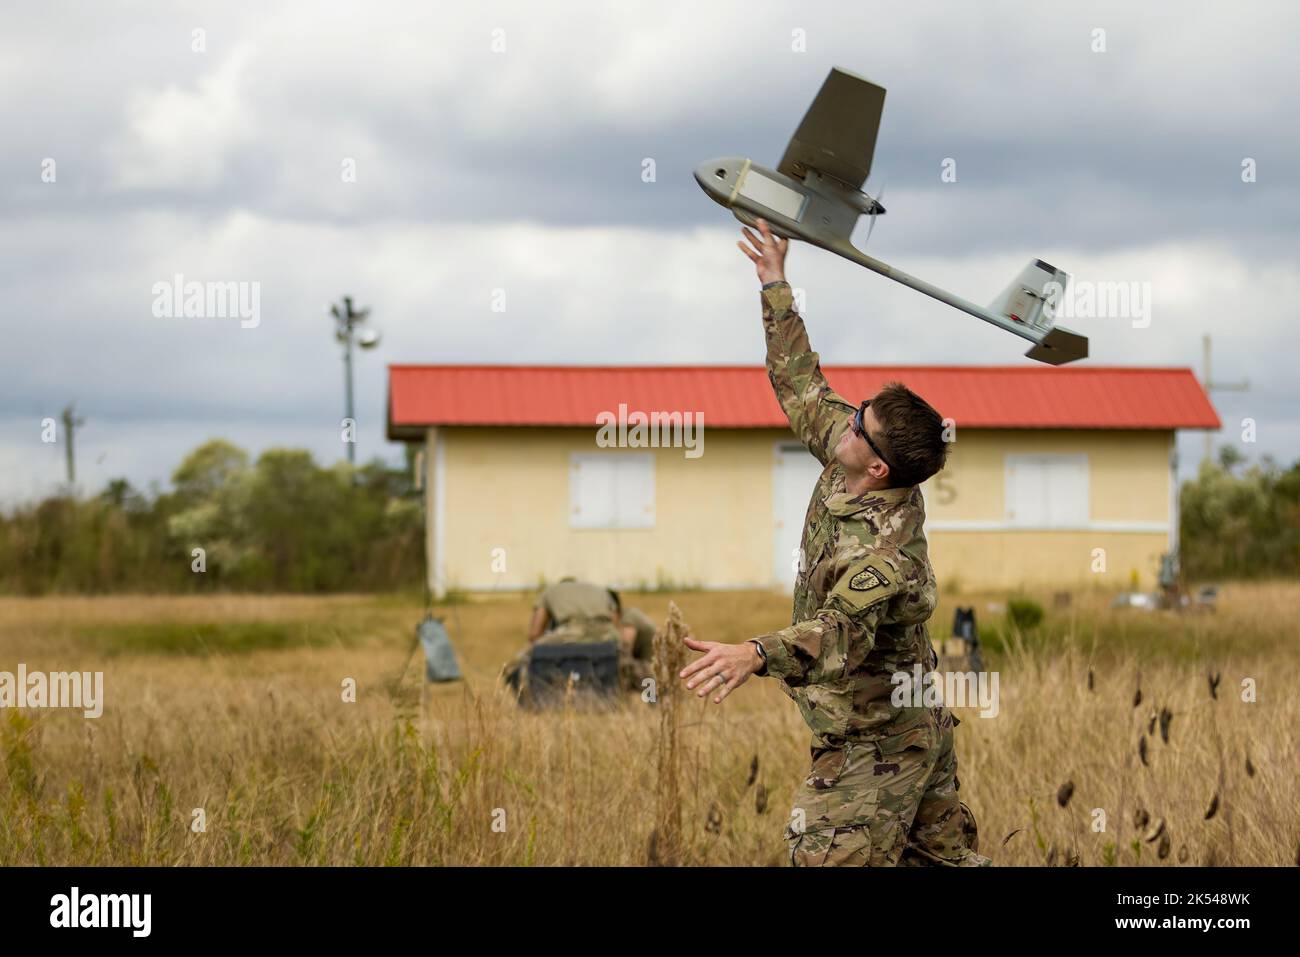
(883, 786)
(577, 612)
(643, 643)
(637, 664)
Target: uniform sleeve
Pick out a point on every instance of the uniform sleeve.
(816, 651)
(543, 604)
(818, 416)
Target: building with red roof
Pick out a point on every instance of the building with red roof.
(689, 476)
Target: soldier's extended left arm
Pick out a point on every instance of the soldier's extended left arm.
(818, 650)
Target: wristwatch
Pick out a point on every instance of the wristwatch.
(762, 653)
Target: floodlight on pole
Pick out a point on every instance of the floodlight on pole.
(71, 421)
(346, 319)
(1210, 385)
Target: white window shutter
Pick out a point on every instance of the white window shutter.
(634, 491)
(591, 492)
(1046, 491)
(1067, 491)
(611, 490)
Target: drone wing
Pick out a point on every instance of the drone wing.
(838, 134)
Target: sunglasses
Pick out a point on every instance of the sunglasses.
(860, 429)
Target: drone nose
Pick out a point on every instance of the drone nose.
(713, 177)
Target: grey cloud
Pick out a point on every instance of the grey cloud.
(524, 171)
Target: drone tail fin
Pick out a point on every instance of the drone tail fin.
(1031, 300)
(1038, 286)
(1059, 347)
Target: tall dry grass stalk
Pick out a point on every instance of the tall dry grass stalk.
(669, 656)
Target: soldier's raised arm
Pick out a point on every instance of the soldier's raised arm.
(816, 413)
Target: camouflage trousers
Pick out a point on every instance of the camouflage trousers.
(886, 802)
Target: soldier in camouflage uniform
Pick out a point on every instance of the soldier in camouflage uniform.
(636, 650)
(569, 611)
(883, 785)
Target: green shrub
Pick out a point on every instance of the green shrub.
(1024, 614)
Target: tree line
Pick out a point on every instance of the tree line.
(286, 524)
(282, 523)
(1239, 520)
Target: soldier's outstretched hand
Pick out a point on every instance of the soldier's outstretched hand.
(723, 669)
(766, 253)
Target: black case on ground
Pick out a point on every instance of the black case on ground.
(592, 666)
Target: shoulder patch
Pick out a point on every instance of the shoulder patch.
(865, 585)
(867, 579)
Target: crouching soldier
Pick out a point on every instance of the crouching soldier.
(565, 613)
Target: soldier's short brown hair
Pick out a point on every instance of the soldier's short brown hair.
(913, 433)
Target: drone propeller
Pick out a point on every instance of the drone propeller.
(875, 206)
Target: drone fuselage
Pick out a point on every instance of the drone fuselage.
(823, 211)
(818, 209)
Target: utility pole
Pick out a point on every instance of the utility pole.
(1208, 383)
(70, 423)
(345, 321)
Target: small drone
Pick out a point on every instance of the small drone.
(815, 194)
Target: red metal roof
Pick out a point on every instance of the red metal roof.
(981, 397)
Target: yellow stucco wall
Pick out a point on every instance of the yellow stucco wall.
(507, 489)
(1009, 560)
(1129, 512)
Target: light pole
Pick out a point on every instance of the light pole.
(70, 423)
(1210, 385)
(345, 321)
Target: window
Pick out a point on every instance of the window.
(1047, 491)
(612, 490)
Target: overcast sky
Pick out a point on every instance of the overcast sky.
(479, 168)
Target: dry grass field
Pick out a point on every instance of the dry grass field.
(234, 705)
